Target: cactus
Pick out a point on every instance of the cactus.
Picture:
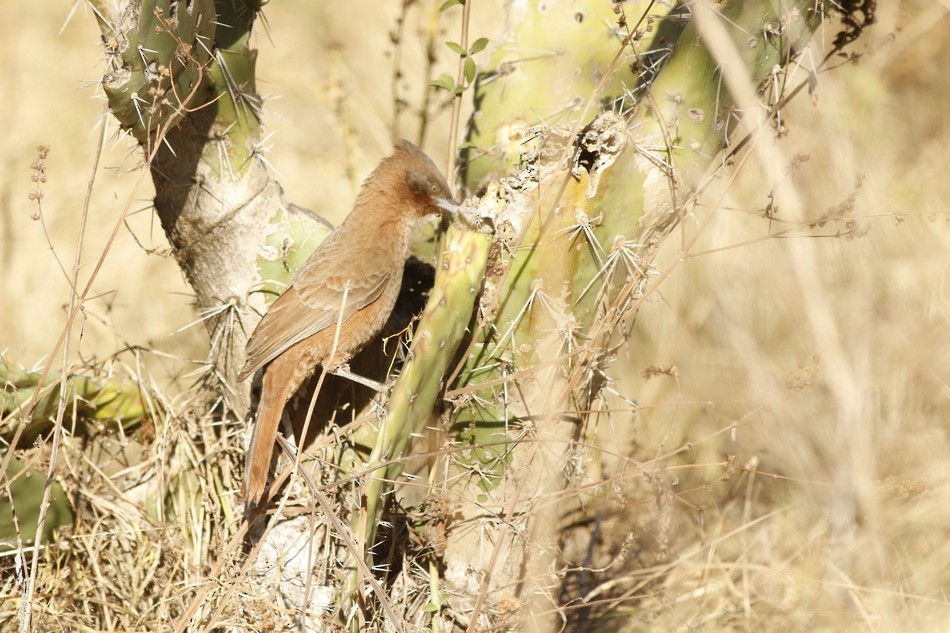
(568, 272)
(159, 52)
(182, 81)
(20, 508)
(93, 404)
(566, 48)
(435, 341)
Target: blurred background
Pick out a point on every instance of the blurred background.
(799, 427)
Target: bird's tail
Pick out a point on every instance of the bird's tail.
(274, 394)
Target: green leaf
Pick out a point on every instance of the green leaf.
(445, 82)
(456, 48)
(479, 45)
(469, 70)
(448, 4)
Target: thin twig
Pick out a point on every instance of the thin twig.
(457, 98)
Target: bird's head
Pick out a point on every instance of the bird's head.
(425, 188)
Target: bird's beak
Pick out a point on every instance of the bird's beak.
(447, 204)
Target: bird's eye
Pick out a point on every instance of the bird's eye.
(434, 188)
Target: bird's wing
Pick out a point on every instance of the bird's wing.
(307, 308)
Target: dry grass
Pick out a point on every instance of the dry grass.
(811, 371)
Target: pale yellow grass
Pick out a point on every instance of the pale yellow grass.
(816, 491)
(139, 298)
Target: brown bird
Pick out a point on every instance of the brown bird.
(345, 293)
